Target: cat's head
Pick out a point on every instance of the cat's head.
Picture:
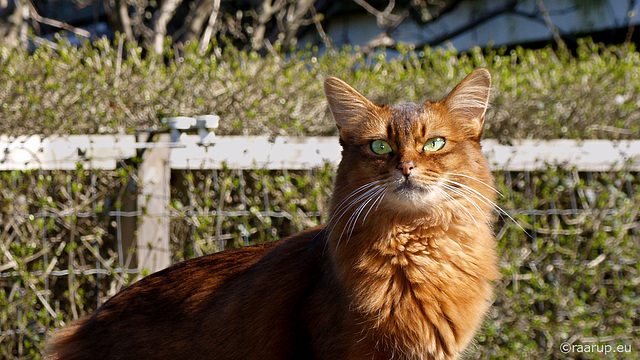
(412, 158)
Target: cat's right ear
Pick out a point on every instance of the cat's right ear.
(350, 109)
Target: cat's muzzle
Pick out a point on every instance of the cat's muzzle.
(409, 187)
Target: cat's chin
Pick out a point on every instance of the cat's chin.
(415, 198)
(410, 188)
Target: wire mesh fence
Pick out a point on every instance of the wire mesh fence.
(568, 241)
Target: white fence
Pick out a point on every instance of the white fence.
(261, 152)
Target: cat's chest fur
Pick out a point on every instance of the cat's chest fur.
(422, 288)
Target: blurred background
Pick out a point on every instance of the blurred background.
(108, 171)
(370, 24)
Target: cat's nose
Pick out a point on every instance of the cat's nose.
(406, 167)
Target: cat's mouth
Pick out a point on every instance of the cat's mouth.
(416, 193)
(408, 186)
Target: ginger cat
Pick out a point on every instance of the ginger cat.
(402, 270)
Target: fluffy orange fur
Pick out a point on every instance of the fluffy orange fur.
(419, 268)
(402, 270)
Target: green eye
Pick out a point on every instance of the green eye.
(380, 147)
(434, 144)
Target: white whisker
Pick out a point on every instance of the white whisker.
(367, 194)
(476, 193)
(378, 201)
(354, 217)
(360, 197)
(456, 202)
(354, 193)
(478, 180)
(341, 208)
(465, 196)
(479, 196)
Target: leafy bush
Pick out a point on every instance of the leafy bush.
(105, 88)
(570, 275)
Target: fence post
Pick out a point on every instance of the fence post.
(153, 230)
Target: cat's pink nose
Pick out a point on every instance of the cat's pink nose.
(406, 167)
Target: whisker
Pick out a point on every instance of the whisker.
(382, 194)
(456, 202)
(340, 208)
(479, 196)
(353, 220)
(354, 193)
(359, 197)
(478, 180)
(367, 194)
(476, 193)
(462, 194)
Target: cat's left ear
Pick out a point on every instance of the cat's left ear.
(469, 100)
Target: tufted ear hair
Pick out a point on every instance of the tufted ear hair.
(350, 109)
(469, 100)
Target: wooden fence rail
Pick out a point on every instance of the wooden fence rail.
(261, 152)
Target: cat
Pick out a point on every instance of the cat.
(402, 270)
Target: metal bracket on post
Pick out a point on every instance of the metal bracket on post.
(178, 125)
(205, 125)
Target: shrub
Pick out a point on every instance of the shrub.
(105, 88)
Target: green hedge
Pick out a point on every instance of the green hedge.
(109, 88)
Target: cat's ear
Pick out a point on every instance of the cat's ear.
(350, 109)
(469, 100)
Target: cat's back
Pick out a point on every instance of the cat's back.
(203, 306)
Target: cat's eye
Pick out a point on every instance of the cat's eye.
(434, 144)
(380, 147)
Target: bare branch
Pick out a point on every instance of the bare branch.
(124, 21)
(483, 18)
(206, 36)
(630, 26)
(13, 30)
(323, 35)
(195, 21)
(428, 11)
(266, 14)
(295, 18)
(384, 18)
(164, 15)
(384, 39)
(552, 28)
(33, 13)
(140, 29)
